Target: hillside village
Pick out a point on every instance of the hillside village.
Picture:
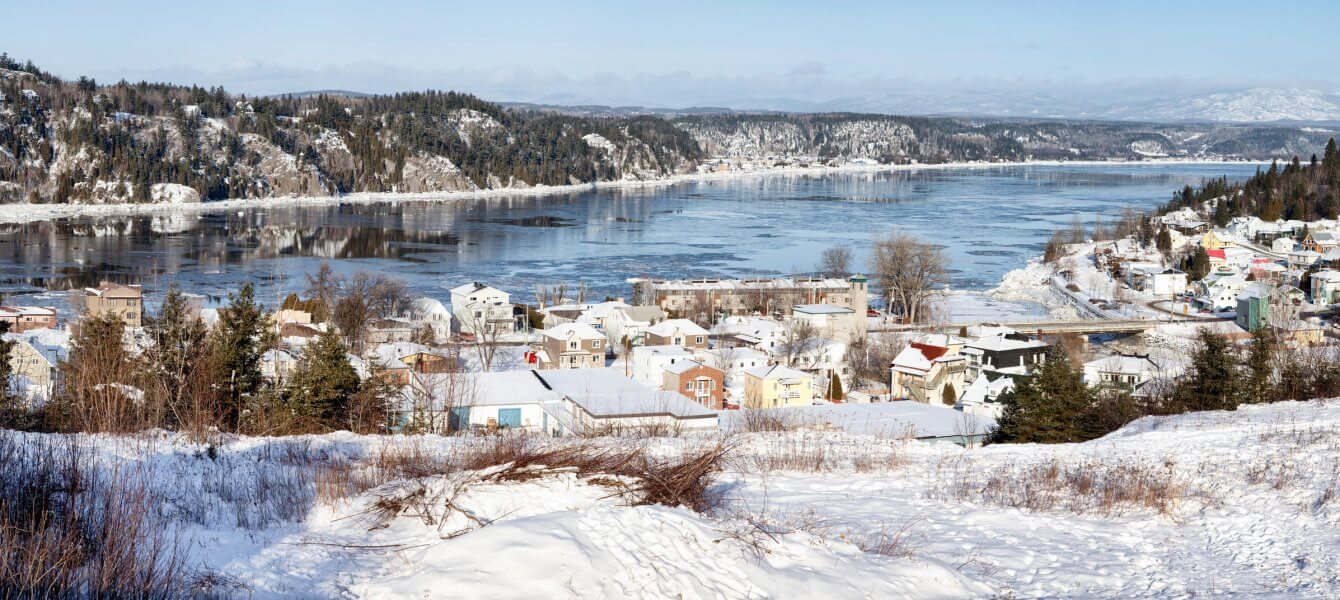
(690, 355)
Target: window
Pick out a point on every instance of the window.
(572, 345)
(698, 340)
(595, 343)
(688, 386)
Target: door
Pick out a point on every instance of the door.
(509, 417)
(459, 418)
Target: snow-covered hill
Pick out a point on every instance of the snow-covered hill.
(1211, 504)
(1257, 105)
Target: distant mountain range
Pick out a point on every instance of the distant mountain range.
(1257, 105)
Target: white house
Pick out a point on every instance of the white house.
(1283, 245)
(1129, 372)
(648, 363)
(831, 321)
(626, 325)
(476, 306)
(983, 396)
(734, 362)
(1157, 280)
(675, 332)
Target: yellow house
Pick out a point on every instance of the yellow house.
(774, 386)
(35, 364)
(1212, 241)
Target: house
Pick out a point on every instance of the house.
(832, 321)
(759, 333)
(1320, 241)
(704, 299)
(381, 331)
(34, 362)
(1129, 372)
(1325, 287)
(1221, 293)
(123, 301)
(1155, 279)
(478, 308)
(929, 370)
(1283, 245)
(28, 318)
(697, 382)
(297, 334)
(1261, 304)
(734, 362)
(648, 363)
(1217, 258)
(277, 365)
(626, 326)
(1212, 240)
(1003, 352)
(571, 346)
(984, 395)
(675, 332)
(396, 361)
(774, 386)
(1304, 257)
(564, 402)
(285, 316)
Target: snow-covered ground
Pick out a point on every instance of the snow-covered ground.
(1225, 503)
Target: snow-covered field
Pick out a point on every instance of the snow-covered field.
(1227, 503)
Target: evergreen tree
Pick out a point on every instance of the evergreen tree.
(10, 412)
(238, 340)
(1260, 361)
(1050, 406)
(177, 341)
(320, 388)
(1213, 381)
(1164, 241)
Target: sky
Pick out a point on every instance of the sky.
(688, 52)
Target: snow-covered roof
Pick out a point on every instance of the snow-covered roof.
(1002, 342)
(668, 327)
(821, 309)
(776, 372)
(568, 331)
(474, 287)
(684, 366)
(605, 392)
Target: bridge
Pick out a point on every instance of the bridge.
(1056, 327)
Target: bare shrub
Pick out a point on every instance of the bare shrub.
(71, 529)
(1082, 488)
(757, 420)
(888, 540)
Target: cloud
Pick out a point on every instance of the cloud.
(809, 69)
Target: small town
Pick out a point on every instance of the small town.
(962, 300)
(688, 355)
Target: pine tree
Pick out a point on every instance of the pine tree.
(1050, 406)
(177, 341)
(10, 411)
(1164, 241)
(320, 388)
(1260, 361)
(1213, 381)
(238, 340)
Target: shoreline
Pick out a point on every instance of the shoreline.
(33, 213)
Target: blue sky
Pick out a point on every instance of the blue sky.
(687, 52)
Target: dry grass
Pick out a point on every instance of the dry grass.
(1081, 488)
(69, 528)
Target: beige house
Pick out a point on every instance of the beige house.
(27, 318)
(124, 301)
(704, 299)
(774, 386)
(675, 332)
(929, 370)
(33, 365)
(571, 346)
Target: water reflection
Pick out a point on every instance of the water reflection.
(989, 221)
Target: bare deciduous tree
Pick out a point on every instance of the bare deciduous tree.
(909, 271)
(798, 341)
(835, 261)
(487, 337)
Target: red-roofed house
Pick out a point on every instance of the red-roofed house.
(1217, 257)
(929, 370)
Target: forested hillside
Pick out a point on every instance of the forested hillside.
(83, 142)
(1305, 191)
(934, 140)
(78, 141)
